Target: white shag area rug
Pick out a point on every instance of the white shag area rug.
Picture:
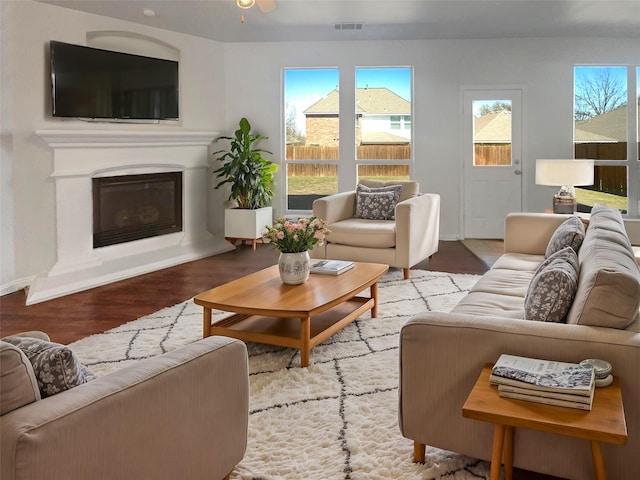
(337, 418)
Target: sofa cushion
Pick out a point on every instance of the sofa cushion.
(504, 282)
(553, 288)
(359, 232)
(410, 188)
(19, 386)
(490, 304)
(55, 366)
(609, 284)
(570, 233)
(377, 203)
(518, 261)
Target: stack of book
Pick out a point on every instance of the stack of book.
(331, 267)
(544, 381)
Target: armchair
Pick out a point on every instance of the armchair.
(401, 243)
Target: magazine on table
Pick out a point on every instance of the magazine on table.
(547, 400)
(570, 397)
(331, 267)
(544, 375)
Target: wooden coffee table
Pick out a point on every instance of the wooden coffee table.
(604, 423)
(295, 316)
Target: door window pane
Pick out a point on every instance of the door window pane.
(492, 132)
(312, 112)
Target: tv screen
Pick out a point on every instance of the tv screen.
(100, 84)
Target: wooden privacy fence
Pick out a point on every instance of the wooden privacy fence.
(611, 179)
(363, 152)
(492, 154)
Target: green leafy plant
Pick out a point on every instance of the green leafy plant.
(247, 172)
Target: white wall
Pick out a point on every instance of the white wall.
(28, 206)
(542, 67)
(220, 83)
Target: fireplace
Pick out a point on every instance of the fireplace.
(82, 156)
(133, 207)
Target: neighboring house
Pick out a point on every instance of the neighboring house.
(493, 128)
(383, 117)
(610, 127)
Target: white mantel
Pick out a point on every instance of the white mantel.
(79, 156)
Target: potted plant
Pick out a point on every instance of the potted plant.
(294, 239)
(250, 177)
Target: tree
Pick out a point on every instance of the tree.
(293, 135)
(599, 92)
(495, 108)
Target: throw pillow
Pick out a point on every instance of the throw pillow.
(553, 288)
(410, 188)
(377, 206)
(570, 233)
(367, 203)
(56, 367)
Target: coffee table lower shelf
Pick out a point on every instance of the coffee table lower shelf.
(299, 332)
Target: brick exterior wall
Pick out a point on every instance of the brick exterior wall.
(322, 130)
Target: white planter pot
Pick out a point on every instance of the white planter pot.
(247, 224)
(294, 267)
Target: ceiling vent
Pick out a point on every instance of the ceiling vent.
(348, 26)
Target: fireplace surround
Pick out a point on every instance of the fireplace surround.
(79, 157)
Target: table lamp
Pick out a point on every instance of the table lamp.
(564, 173)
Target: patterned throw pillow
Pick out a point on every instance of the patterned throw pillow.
(553, 288)
(570, 233)
(374, 203)
(55, 366)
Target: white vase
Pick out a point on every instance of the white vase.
(294, 267)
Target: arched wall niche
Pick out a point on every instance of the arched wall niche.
(131, 42)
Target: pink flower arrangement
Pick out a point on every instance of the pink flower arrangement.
(296, 236)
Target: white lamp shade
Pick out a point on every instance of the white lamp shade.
(246, 3)
(560, 172)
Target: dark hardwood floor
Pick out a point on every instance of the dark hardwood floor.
(75, 316)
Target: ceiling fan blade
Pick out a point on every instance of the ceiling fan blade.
(266, 5)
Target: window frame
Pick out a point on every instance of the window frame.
(632, 161)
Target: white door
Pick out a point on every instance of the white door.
(492, 170)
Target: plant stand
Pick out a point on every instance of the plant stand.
(246, 225)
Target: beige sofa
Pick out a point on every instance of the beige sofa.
(183, 414)
(408, 239)
(442, 354)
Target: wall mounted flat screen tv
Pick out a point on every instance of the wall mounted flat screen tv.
(93, 83)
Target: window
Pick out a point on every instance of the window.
(602, 95)
(383, 123)
(312, 112)
(492, 128)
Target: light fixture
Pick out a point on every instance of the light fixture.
(564, 173)
(148, 12)
(244, 4)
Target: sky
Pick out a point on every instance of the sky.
(304, 87)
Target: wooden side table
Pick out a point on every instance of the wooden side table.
(604, 423)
